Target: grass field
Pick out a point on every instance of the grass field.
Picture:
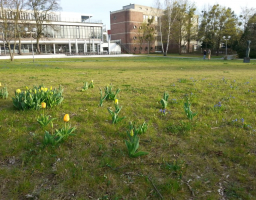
(212, 156)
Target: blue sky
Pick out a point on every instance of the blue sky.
(100, 9)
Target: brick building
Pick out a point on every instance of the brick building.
(126, 25)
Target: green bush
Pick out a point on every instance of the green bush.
(32, 98)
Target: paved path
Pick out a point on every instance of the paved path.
(96, 56)
(63, 56)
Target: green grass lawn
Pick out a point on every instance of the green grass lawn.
(210, 157)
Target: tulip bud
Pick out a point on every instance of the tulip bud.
(43, 105)
(131, 133)
(18, 91)
(66, 118)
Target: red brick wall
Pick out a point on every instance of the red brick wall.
(122, 27)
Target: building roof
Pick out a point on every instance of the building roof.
(147, 10)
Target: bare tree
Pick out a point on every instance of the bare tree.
(10, 15)
(41, 9)
(246, 15)
(166, 21)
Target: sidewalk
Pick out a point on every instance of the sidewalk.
(7, 57)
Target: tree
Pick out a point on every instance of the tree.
(178, 26)
(216, 23)
(41, 10)
(149, 32)
(191, 29)
(10, 15)
(249, 33)
(165, 22)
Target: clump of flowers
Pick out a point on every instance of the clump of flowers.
(44, 120)
(3, 92)
(241, 123)
(114, 114)
(109, 94)
(138, 129)
(32, 98)
(86, 86)
(133, 141)
(60, 134)
(164, 100)
(163, 112)
(187, 107)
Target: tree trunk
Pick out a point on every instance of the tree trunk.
(11, 53)
(37, 46)
(19, 46)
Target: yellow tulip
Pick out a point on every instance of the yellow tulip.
(26, 87)
(43, 105)
(66, 118)
(51, 88)
(45, 89)
(116, 101)
(35, 91)
(18, 91)
(0, 84)
(92, 81)
(131, 133)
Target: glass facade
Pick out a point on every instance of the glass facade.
(72, 32)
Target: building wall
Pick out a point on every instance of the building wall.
(125, 26)
(59, 36)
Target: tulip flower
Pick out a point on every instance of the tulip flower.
(18, 91)
(51, 88)
(43, 105)
(66, 118)
(116, 101)
(0, 84)
(131, 133)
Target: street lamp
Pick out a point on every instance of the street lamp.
(226, 38)
(31, 32)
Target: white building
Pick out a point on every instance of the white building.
(69, 33)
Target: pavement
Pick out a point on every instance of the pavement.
(43, 56)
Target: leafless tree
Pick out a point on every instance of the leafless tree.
(41, 9)
(166, 21)
(9, 23)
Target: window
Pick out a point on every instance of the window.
(140, 27)
(114, 17)
(134, 37)
(134, 27)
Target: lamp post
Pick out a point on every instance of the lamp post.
(226, 38)
(31, 32)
